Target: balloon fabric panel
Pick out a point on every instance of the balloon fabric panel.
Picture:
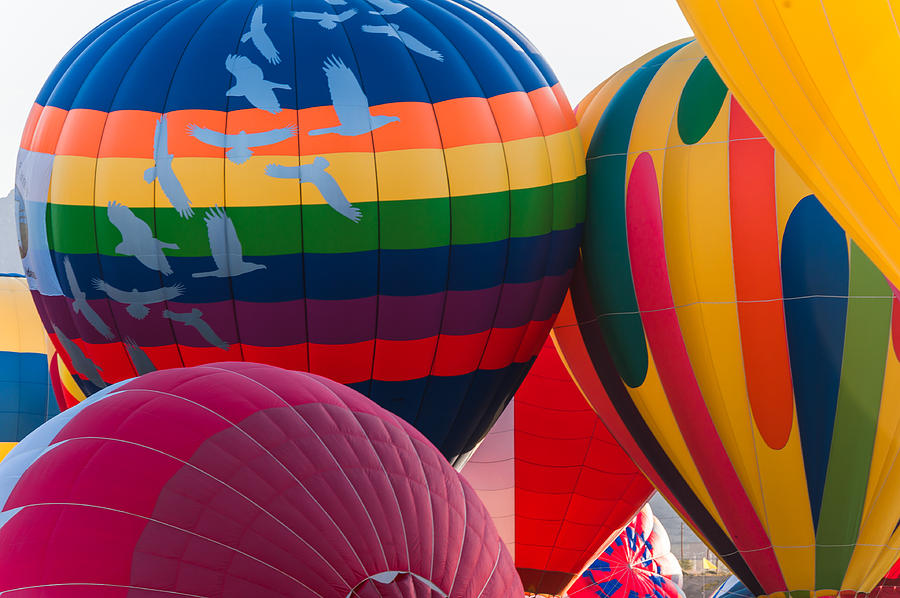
(392, 198)
(767, 333)
(243, 479)
(556, 484)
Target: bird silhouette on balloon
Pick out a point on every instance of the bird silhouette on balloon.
(137, 301)
(350, 103)
(82, 364)
(316, 174)
(139, 359)
(387, 7)
(260, 38)
(80, 304)
(164, 173)
(251, 84)
(327, 20)
(138, 240)
(225, 247)
(393, 30)
(194, 319)
(240, 144)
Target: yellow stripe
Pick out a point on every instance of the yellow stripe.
(401, 175)
(883, 489)
(68, 381)
(21, 330)
(5, 448)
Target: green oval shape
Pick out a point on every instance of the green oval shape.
(700, 103)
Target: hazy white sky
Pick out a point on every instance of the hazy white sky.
(584, 40)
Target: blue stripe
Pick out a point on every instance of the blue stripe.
(815, 271)
(340, 275)
(26, 396)
(168, 55)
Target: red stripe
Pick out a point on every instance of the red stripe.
(757, 279)
(646, 248)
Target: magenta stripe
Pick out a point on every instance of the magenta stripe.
(646, 248)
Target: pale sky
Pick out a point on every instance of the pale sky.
(584, 40)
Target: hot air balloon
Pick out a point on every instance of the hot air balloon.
(817, 79)
(732, 588)
(240, 479)
(27, 399)
(555, 482)
(744, 342)
(638, 564)
(388, 194)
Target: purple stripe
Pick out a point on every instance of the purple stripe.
(330, 322)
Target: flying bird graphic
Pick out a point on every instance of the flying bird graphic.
(241, 143)
(137, 239)
(194, 318)
(81, 306)
(163, 171)
(141, 362)
(252, 85)
(326, 184)
(225, 247)
(327, 20)
(350, 103)
(137, 301)
(80, 361)
(388, 7)
(393, 30)
(260, 38)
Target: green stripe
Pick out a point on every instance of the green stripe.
(607, 264)
(273, 230)
(859, 400)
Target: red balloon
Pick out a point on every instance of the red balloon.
(559, 487)
(240, 480)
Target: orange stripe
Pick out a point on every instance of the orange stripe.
(466, 121)
(757, 278)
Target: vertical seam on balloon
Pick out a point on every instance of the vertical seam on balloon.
(234, 310)
(190, 465)
(474, 374)
(458, 480)
(437, 126)
(293, 50)
(493, 570)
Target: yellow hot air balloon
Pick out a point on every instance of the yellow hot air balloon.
(817, 78)
(739, 346)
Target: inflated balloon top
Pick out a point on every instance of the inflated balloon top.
(556, 483)
(817, 77)
(747, 348)
(241, 480)
(385, 193)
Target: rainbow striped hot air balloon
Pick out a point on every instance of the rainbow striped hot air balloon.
(27, 399)
(744, 341)
(385, 193)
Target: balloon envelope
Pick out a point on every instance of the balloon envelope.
(27, 399)
(744, 342)
(817, 77)
(387, 194)
(638, 564)
(241, 480)
(557, 485)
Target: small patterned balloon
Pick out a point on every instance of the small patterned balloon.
(638, 564)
